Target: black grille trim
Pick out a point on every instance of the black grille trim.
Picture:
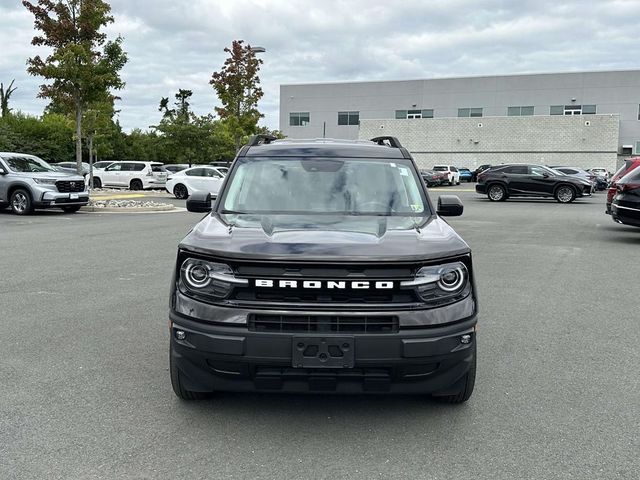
(66, 186)
(323, 323)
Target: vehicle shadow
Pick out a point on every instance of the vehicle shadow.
(37, 213)
(617, 233)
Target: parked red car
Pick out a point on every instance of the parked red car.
(629, 164)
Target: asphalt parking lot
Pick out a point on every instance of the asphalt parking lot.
(86, 393)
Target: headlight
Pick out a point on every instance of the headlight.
(200, 277)
(441, 284)
(45, 181)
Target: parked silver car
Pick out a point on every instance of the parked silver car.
(28, 182)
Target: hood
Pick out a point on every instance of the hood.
(325, 237)
(57, 175)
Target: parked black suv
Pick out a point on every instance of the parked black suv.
(323, 267)
(520, 180)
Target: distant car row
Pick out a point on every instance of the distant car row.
(446, 175)
(140, 175)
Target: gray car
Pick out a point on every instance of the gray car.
(28, 182)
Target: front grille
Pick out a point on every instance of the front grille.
(323, 323)
(324, 297)
(250, 294)
(66, 186)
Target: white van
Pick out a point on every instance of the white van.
(133, 175)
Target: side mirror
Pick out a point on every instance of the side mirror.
(449, 206)
(199, 202)
(2, 170)
(545, 175)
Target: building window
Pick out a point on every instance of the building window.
(348, 118)
(402, 114)
(637, 148)
(470, 112)
(519, 111)
(298, 119)
(573, 110)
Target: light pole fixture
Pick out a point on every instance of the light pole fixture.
(258, 49)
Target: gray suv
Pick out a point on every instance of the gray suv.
(28, 182)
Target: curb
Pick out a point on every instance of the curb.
(165, 208)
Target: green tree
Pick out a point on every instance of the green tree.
(83, 66)
(180, 132)
(49, 137)
(5, 95)
(237, 85)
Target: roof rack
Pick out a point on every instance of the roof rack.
(392, 142)
(260, 139)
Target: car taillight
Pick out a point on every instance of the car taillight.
(627, 187)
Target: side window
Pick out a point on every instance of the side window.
(539, 172)
(568, 171)
(516, 170)
(137, 167)
(195, 172)
(114, 167)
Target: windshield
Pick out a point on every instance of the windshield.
(28, 164)
(324, 186)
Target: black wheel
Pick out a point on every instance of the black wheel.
(136, 185)
(565, 194)
(465, 385)
(71, 209)
(180, 191)
(178, 388)
(97, 183)
(497, 193)
(20, 202)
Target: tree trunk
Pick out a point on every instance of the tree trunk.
(91, 160)
(78, 136)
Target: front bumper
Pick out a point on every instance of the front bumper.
(51, 199)
(481, 188)
(413, 360)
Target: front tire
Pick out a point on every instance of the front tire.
(497, 193)
(565, 194)
(178, 388)
(97, 183)
(180, 191)
(466, 385)
(20, 202)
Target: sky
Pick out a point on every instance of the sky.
(173, 44)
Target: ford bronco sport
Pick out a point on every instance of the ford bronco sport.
(323, 267)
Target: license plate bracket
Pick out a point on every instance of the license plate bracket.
(323, 352)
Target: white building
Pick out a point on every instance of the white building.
(586, 118)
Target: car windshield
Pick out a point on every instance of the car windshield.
(25, 164)
(324, 186)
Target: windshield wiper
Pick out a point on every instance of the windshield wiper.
(232, 212)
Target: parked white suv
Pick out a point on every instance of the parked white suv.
(453, 175)
(133, 175)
